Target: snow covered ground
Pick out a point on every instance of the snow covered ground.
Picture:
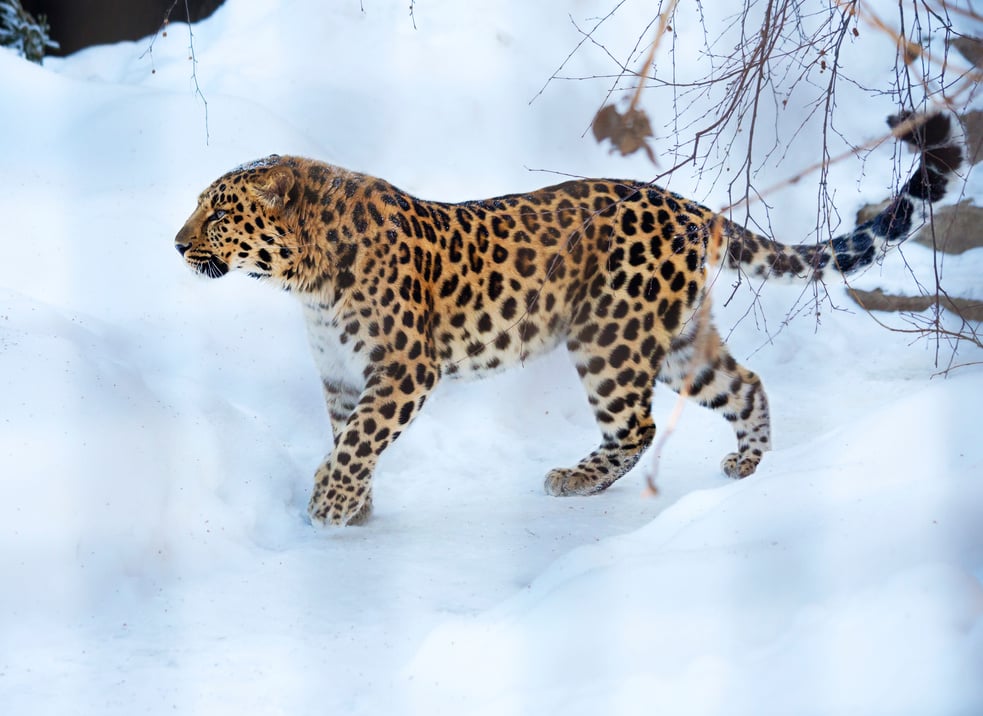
(159, 432)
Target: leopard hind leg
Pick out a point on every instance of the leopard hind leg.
(619, 380)
(700, 366)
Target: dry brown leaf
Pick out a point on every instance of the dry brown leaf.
(628, 132)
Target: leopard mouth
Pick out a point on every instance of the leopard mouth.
(212, 267)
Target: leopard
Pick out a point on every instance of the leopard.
(399, 293)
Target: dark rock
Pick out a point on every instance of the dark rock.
(954, 229)
(971, 48)
(973, 125)
(76, 24)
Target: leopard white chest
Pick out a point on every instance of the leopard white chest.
(334, 349)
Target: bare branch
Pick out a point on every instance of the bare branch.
(192, 57)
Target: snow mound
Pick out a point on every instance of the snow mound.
(799, 585)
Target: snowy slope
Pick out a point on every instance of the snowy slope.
(159, 431)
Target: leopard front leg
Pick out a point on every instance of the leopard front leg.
(341, 399)
(392, 397)
(340, 499)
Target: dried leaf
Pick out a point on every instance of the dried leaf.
(606, 123)
(627, 132)
(911, 52)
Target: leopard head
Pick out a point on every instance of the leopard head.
(239, 223)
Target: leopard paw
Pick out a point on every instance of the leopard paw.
(334, 507)
(563, 482)
(738, 467)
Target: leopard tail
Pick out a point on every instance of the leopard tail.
(938, 137)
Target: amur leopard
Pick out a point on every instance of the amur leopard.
(399, 293)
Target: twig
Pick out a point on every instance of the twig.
(659, 33)
(699, 357)
(194, 71)
(162, 31)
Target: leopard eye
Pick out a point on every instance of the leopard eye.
(217, 215)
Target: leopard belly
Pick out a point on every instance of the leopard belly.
(338, 354)
(475, 358)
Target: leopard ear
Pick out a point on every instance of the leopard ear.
(274, 188)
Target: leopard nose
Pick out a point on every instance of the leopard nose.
(182, 242)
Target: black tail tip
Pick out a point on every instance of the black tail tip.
(938, 136)
(924, 131)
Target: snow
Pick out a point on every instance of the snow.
(160, 431)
